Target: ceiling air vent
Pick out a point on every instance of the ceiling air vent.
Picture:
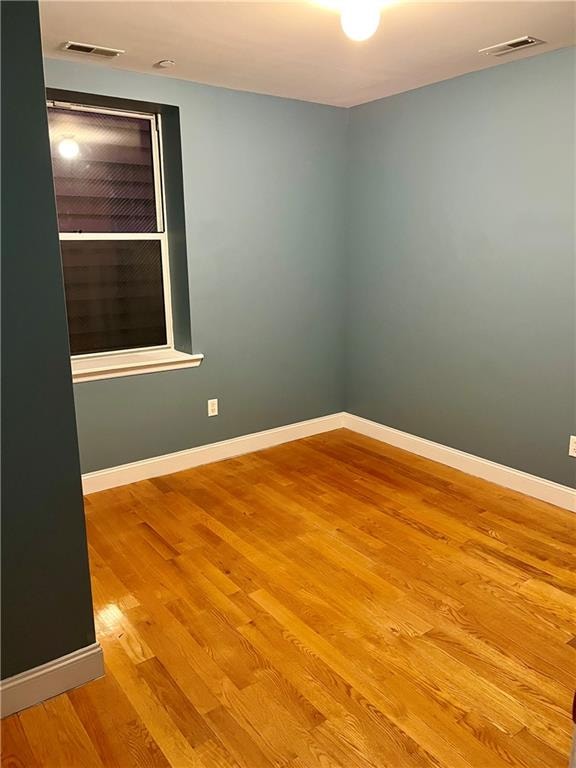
(94, 50)
(512, 45)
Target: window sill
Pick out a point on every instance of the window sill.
(110, 366)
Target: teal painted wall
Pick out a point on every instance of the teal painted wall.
(460, 293)
(46, 600)
(264, 187)
(461, 281)
(426, 239)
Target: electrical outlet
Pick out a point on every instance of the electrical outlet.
(213, 407)
(572, 446)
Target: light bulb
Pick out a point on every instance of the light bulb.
(359, 19)
(68, 149)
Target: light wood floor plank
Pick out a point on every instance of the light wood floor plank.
(329, 603)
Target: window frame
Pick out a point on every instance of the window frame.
(160, 235)
(122, 362)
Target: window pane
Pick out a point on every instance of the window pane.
(114, 294)
(103, 172)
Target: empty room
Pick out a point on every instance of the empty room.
(288, 384)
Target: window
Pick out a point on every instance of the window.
(109, 186)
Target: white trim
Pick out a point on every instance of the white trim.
(167, 289)
(537, 487)
(111, 236)
(115, 353)
(160, 202)
(205, 454)
(113, 365)
(104, 110)
(162, 216)
(516, 480)
(155, 142)
(51, 679)
(159, 181)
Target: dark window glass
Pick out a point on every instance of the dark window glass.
(103, 171)
(114, 294)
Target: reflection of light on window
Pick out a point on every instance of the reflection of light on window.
(63, 127)
(110, 616)
(69, 149)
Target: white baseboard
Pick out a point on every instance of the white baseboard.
(103, 479)
(537, 487)
(51, 679)
(82, 666)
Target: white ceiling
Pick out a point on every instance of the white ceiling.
(297, 49)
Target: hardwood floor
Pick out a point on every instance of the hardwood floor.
(332, 602)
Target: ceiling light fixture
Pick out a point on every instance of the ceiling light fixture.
(165, 64)
(359, 19)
